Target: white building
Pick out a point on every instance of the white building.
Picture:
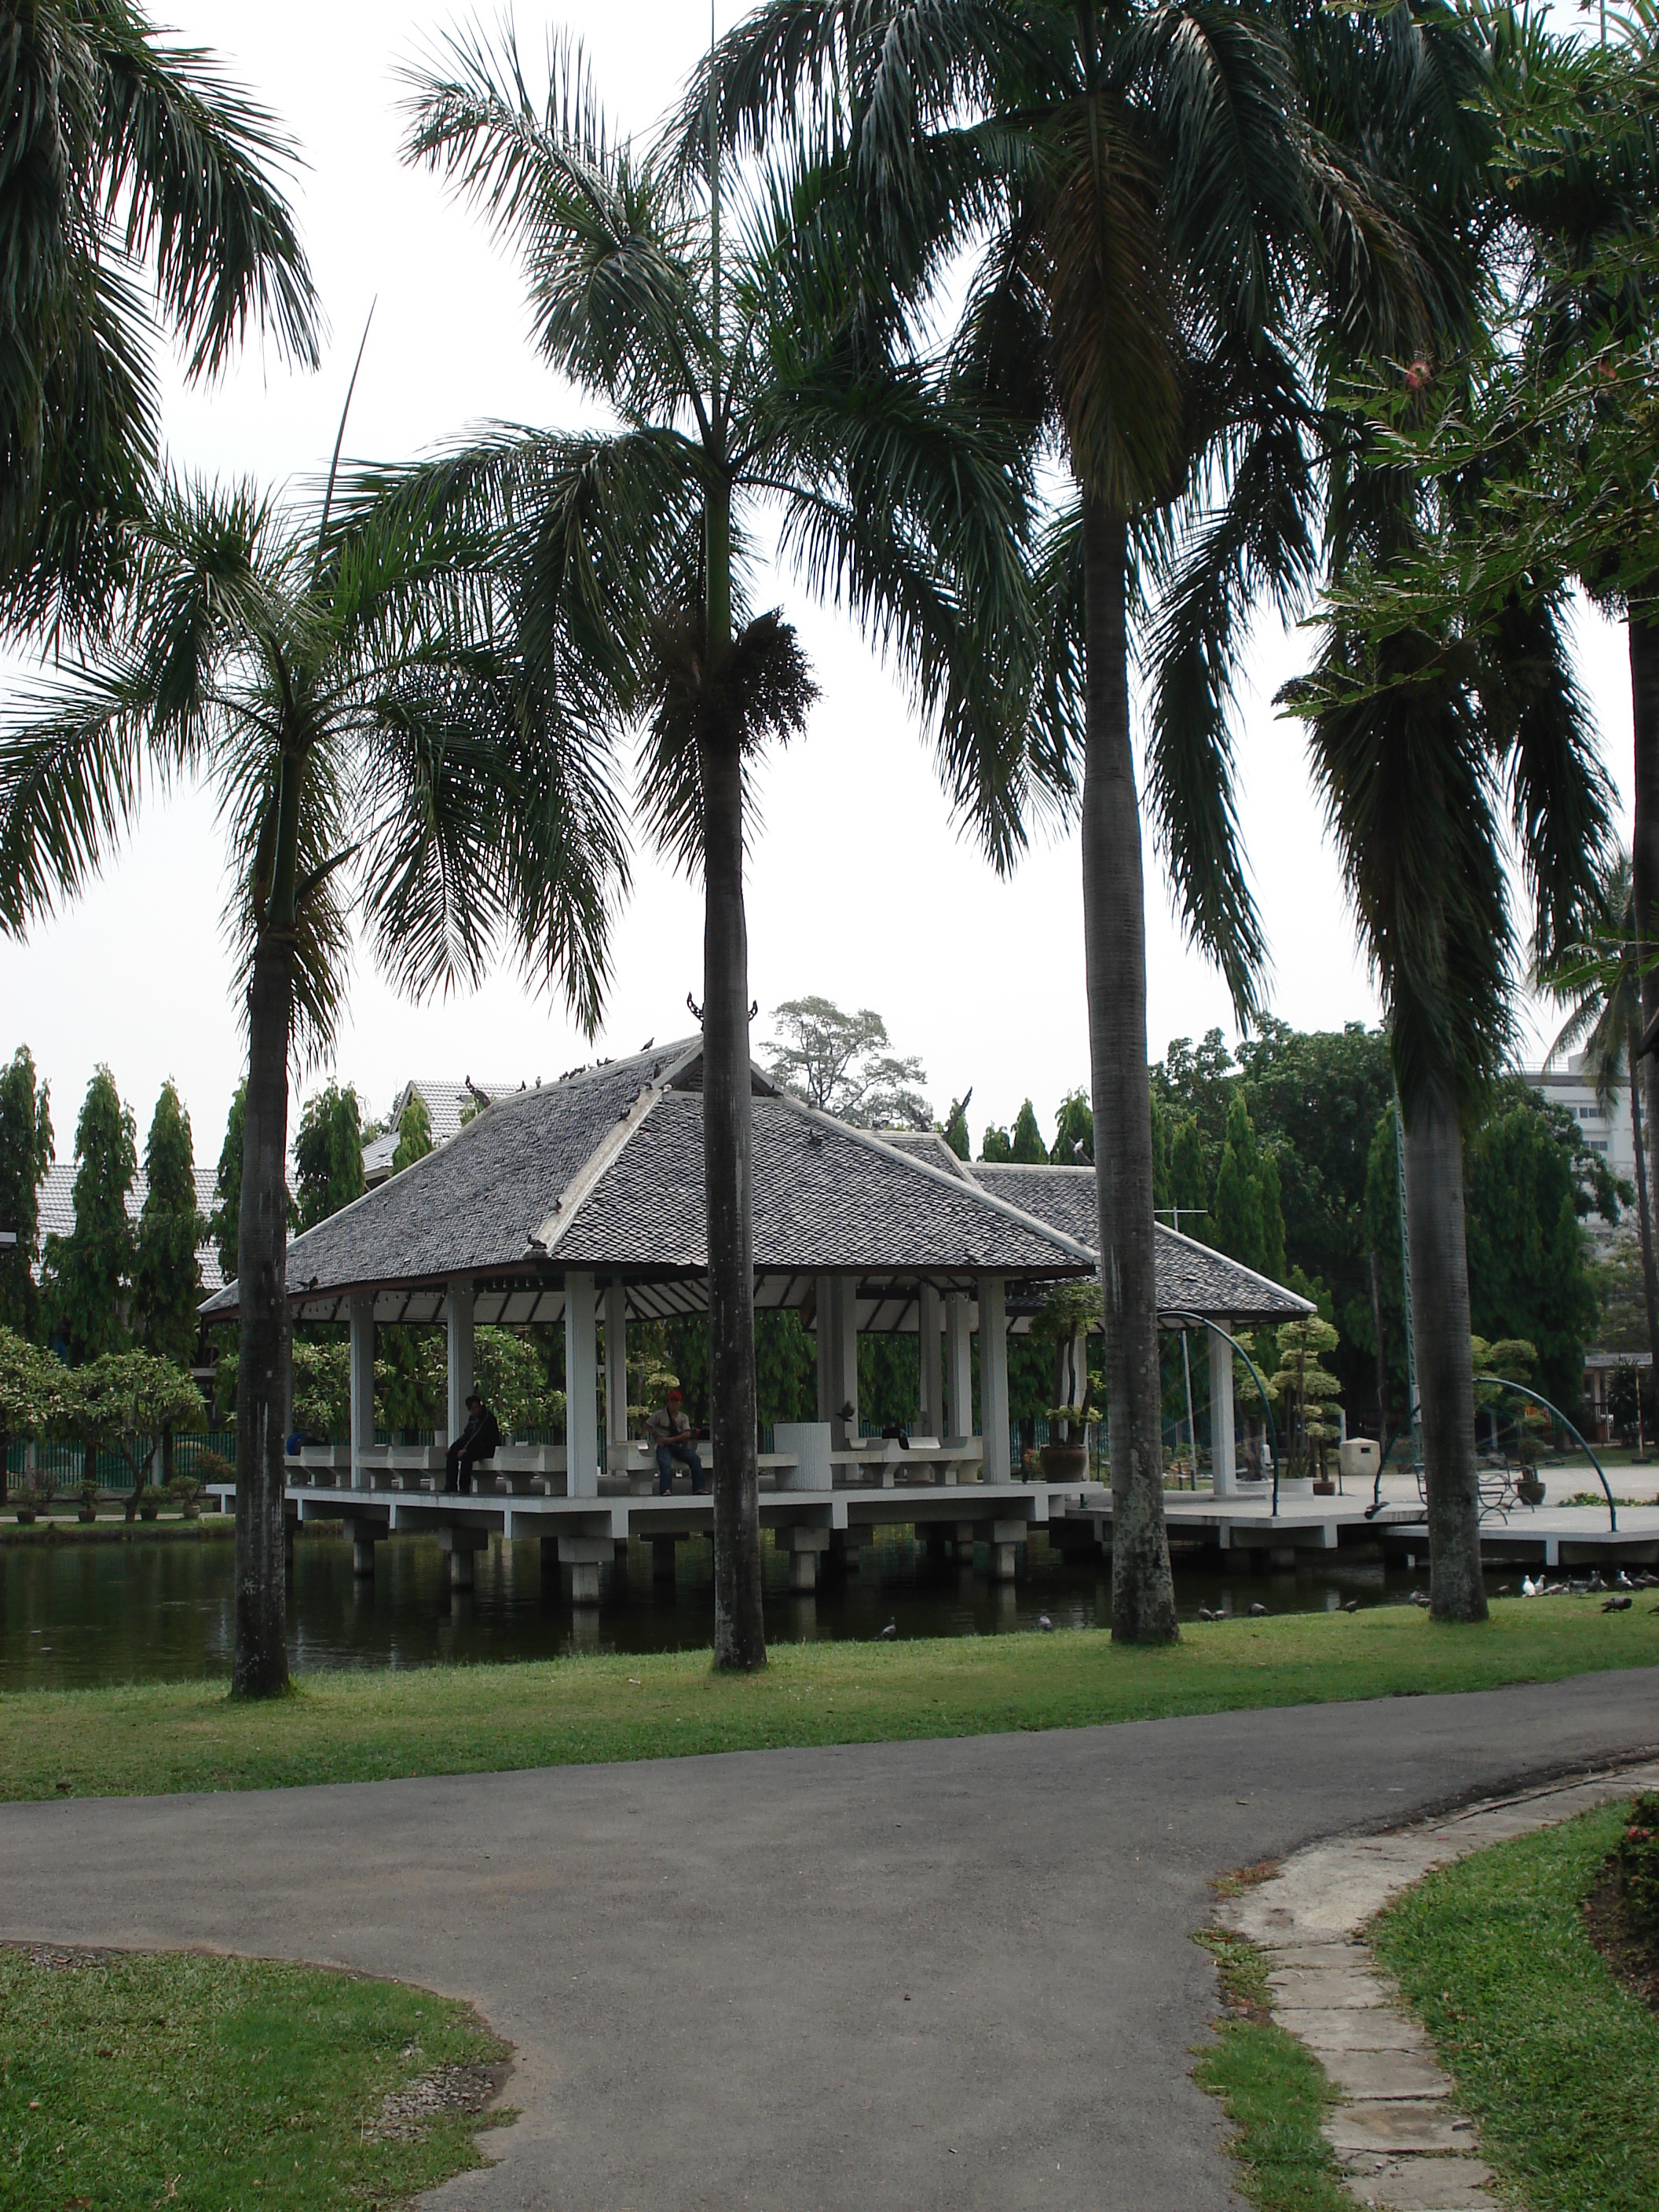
(1607, 1134)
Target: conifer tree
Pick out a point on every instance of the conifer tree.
(90, 1270)
(1235, 1220)
(1028, 1147)
(228, 1187)
(26, 1153)
(167, 1277)
(328, 1154)
(1189, 1180)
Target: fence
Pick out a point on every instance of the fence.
(64, 1465)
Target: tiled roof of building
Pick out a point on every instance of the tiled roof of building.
(58, 1211)
(1191, 1278)
(605, 1170)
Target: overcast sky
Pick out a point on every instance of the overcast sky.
(859, 889)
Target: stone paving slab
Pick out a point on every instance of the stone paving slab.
(1402, 2146)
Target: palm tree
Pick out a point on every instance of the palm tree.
(1144, 189)
(1420, 730)
(1600, 981)
(347, 694)
(721, 340)
(129, 167)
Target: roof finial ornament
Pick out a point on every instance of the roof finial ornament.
(696, 1010)
(480, 1098)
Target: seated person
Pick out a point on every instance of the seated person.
(670, 1432)
(477, 1441)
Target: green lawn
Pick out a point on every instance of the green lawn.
(362, 1726)
(1557, 2064)
(129, 2081)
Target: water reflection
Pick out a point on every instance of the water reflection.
(76, 1614)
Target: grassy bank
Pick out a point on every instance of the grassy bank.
(128, 2082)
(367, 1726)
(116, 1528)
(1557, 2064)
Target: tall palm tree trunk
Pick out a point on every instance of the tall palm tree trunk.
(728, 1160)
(1439, 1293)
(1643, 638)
(1114, 943)
(260, 1668)
(1644, 1225)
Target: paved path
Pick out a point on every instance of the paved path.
(899, 1976)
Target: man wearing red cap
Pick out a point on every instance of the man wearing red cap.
(670, 1432)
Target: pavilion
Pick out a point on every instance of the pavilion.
(581, 1203)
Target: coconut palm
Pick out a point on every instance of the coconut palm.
(348, 697)
(1600, 981)
(1142, 188)
(720, 338)
(128, 170)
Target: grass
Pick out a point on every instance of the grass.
(1273, 2089)
(353, 1726)
(130, 2080)
(1558, 2065)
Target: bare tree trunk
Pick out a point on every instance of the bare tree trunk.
(1644, 641)
(1439, 1293)
(1381, 1353)
(728, 1162)
(1644, 1224)
(1115, 944)
(260, 1668)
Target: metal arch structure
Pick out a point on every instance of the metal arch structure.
(1504, 1383)
(1198, 1321)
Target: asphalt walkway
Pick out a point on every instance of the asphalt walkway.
(952, 1974)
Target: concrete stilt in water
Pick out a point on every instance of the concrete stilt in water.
(804, 1546)
(1006, 1537)
(287, 1546)
(362, 1558)
(462, 1545)
(663, 1550)
(584, 1556)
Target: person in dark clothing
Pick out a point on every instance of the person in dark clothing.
(477, 1441)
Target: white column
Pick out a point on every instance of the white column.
(1224, 1458)
(844, 1359)
(824, 1301)
(362, 1388)
(616, 1375)
(996, 1465)
(930, 1398)
(958, 1368)
(459, 1302)
(581, 1384)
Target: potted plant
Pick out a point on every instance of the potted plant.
(1065, 1457)
(187, 1491)
(88, 1502)
(149, 1501)
(1306, 1389)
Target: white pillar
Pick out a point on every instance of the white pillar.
(362, 1388)
(844, 1359)
(459, 1302)
(581, 1384)
(996, 1464)
(824, 1303)
(958, 1368)
(930, 1398)
(616, 1374)
(1223, 1459)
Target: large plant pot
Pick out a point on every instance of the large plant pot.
(148, 1513)
(1064, 1463)
(1531, 1490)
(1324, 1489)
(26, 1516)
(88, 1513)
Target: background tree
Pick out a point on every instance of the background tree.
(1024, 1147)
(26, 1153)
(166, 1270)
(1245, 1219)
(737, 359)
(328, 1155)
(955, 1131)
(1307, 1390)
(130, 167)
(30, 1390)
(226, 1217)
(126, 1402)
(90, 1270)
(844, 1065)
(414, 1134)
(1074, 1133)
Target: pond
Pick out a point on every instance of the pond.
(75, 1615)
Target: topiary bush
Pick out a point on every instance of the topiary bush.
(1636, 1857)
